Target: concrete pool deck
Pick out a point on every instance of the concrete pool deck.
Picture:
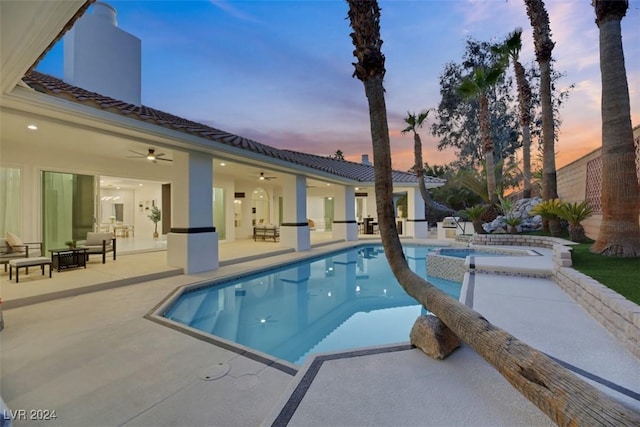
(96, 361)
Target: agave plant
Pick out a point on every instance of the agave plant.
(549, 210)
(575, 213)
(475, 213)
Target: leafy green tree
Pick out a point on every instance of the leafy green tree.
(338, 155)
(456, 122)
(438, 171)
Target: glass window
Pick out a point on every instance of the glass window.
(67, 208)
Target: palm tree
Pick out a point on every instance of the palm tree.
(559, 394)
(413, 123)
(477, 86)
(619, 231)
(510, 50)
(543, 46)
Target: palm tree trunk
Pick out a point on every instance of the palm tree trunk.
(417, 148)
(619, 233)
(559, 394)
(549, 178)
(524, 100)
(487, 144)
(526, 161)
(543, 47)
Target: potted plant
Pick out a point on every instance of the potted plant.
(574, 214)
(548, 211)
(155, 216)
(71, 244)
(475, 213)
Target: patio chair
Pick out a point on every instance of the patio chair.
(12, 247)
(100, 243)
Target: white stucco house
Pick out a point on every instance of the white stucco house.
(82, 152)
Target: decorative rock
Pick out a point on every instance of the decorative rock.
(433, 337)
(520, 209)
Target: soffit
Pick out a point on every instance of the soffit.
(27, 31)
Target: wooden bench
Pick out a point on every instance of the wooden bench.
(26, 263)
(265, 232)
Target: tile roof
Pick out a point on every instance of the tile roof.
(354, 171)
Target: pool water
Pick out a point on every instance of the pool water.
(346, 300)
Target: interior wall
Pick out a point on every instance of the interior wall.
(145, 198)
(315, 211)
(229, 189)
(125, 197)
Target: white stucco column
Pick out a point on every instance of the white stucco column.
(417, 225)
(193, 242)
(345, 225)
(294, 230)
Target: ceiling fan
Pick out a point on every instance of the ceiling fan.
(263, 177)
(151, 155)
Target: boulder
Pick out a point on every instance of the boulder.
(520, 209)
(433, 337)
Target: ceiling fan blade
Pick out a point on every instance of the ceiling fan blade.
(139, 154)
(160, 154)
(164, 160)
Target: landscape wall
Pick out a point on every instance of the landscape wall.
(582, 180)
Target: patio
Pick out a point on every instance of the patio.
(96, 360)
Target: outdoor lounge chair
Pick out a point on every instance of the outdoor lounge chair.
(12, 247)
(100, 243)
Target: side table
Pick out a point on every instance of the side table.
(62, 259)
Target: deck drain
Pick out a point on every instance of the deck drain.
(214, 372)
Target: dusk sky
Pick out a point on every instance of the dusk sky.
(280, 72)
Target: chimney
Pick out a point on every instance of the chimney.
(102, 58)
(365, 160)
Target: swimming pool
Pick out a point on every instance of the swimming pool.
(346, 300)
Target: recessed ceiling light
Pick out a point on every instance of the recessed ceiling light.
(140, 185)
(223, 164)
(32, 127)
(117, 188)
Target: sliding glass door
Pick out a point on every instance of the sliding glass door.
(68, 202)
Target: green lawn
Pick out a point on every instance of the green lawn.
(620, 274)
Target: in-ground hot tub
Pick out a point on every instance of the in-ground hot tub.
(449, 263)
